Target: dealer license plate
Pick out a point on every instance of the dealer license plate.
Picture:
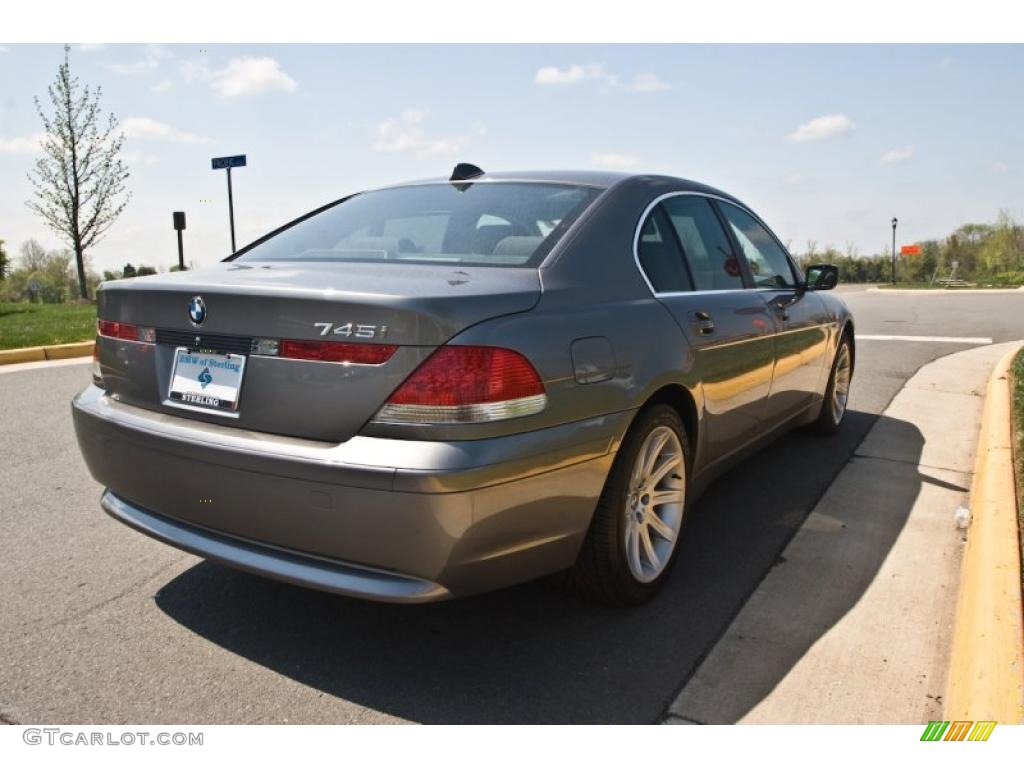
(206, 380)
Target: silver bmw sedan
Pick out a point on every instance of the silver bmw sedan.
(450, 386)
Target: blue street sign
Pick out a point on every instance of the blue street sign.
(235, 161)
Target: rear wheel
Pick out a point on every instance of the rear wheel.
(633, 539)
(837, 393)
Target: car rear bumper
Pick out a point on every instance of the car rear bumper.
(396, 520)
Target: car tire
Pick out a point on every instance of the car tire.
(833, 406)
(615, 547)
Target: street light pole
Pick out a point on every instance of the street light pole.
(894, 250)
(231, 212)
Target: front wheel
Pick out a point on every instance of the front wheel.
(837, 393)
(633, 538)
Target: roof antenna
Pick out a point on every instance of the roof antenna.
(464, 172)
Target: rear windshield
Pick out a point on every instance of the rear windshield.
(487, 223)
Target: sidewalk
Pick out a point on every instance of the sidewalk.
(884, 532)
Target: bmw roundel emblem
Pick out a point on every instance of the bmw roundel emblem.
(197, 310)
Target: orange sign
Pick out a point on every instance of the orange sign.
(910, 250)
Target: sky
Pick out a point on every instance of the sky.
(826, 142)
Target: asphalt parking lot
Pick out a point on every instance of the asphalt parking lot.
(100, 624)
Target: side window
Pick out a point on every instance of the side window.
(707, 250)
(766, 258)
(659, 255)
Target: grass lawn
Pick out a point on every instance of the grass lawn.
(34, 325)
(1017, 393)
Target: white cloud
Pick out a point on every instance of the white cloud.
(21, 145)
(146, 128)
(252, 74)
(140, 158)
(575, 73)
(406, 134)
(614, 160)
(4, 49)
(1001, 167)
(897, 155)
(824, 127)
(152, 57)
(162, 87)
(648, 82)
(193, 70)
(90, 47)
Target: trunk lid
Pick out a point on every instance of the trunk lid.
(416, 307)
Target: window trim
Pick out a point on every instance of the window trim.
(636, 244)
(748, 284)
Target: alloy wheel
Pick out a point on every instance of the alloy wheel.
(654, 506)
(841, 383)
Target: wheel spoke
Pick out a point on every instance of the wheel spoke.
(661, 527)
(671, 462)
(652, 556)
(667, 496)
(653, 450)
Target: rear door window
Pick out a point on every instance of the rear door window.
(660, 258)
(705, 246)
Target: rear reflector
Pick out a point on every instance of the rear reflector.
(115, 330)
(459, 385)
(337, 352)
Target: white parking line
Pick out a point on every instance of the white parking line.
(942, 339)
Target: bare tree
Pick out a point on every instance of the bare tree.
(80, 179)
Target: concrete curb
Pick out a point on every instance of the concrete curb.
(942, 291)
(51, 352)
(986, 674)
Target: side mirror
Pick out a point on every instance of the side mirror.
(822, 277)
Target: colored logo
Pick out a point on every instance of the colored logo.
(205, 378)
(196, 310)
(958, 730)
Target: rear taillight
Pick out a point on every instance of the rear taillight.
(114, 330)
(460, 385)
(125, 331)
(336, 352)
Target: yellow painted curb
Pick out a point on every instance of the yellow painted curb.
(23, 355)
(63, 351)
(986, 674)
(52, 352)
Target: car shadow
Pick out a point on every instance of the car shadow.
(532, 654)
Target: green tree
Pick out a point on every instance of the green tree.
(5, 262)
(144, 270)
(129, 271)
(79, 182)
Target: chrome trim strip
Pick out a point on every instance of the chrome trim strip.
(303, 570)
(666, 196)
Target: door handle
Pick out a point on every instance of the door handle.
(703, 323)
